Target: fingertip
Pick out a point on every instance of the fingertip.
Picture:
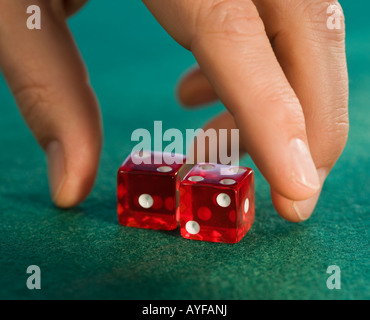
(182, 92)
(56, 168)
(73, 191)
(194, 89)
(297, 211)
(72, 179)
(305, 208)
(73, 163)
(294, 211)
(284, 207)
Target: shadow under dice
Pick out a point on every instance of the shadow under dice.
(217, 203)
(147, 192)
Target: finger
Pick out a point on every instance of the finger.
(195, 90)
(233, 51)
(322, 89)
(47, 77)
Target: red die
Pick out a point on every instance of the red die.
(217, 203)
(147, 192)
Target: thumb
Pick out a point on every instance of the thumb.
(48, 79)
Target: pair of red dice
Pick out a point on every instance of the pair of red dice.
(211, 202)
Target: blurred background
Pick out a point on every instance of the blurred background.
(83, 252)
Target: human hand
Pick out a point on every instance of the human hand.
(47, 77)
(49, 82)
(282, 75)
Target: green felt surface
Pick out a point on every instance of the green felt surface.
(84, 253)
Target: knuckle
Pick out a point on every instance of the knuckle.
(281, 106)
(339, 134)
(281, 96)
(34, 101)
(331, 137)
(230, 18)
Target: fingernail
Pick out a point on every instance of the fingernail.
(56, 167)
(303, 169)
(305, 208)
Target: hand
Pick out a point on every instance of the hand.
(48, 79)
(282, 75)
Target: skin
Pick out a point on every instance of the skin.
(278, 69)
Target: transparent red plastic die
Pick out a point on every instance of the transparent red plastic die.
(217, 203)
(147, 193)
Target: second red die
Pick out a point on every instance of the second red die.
(217, 203)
